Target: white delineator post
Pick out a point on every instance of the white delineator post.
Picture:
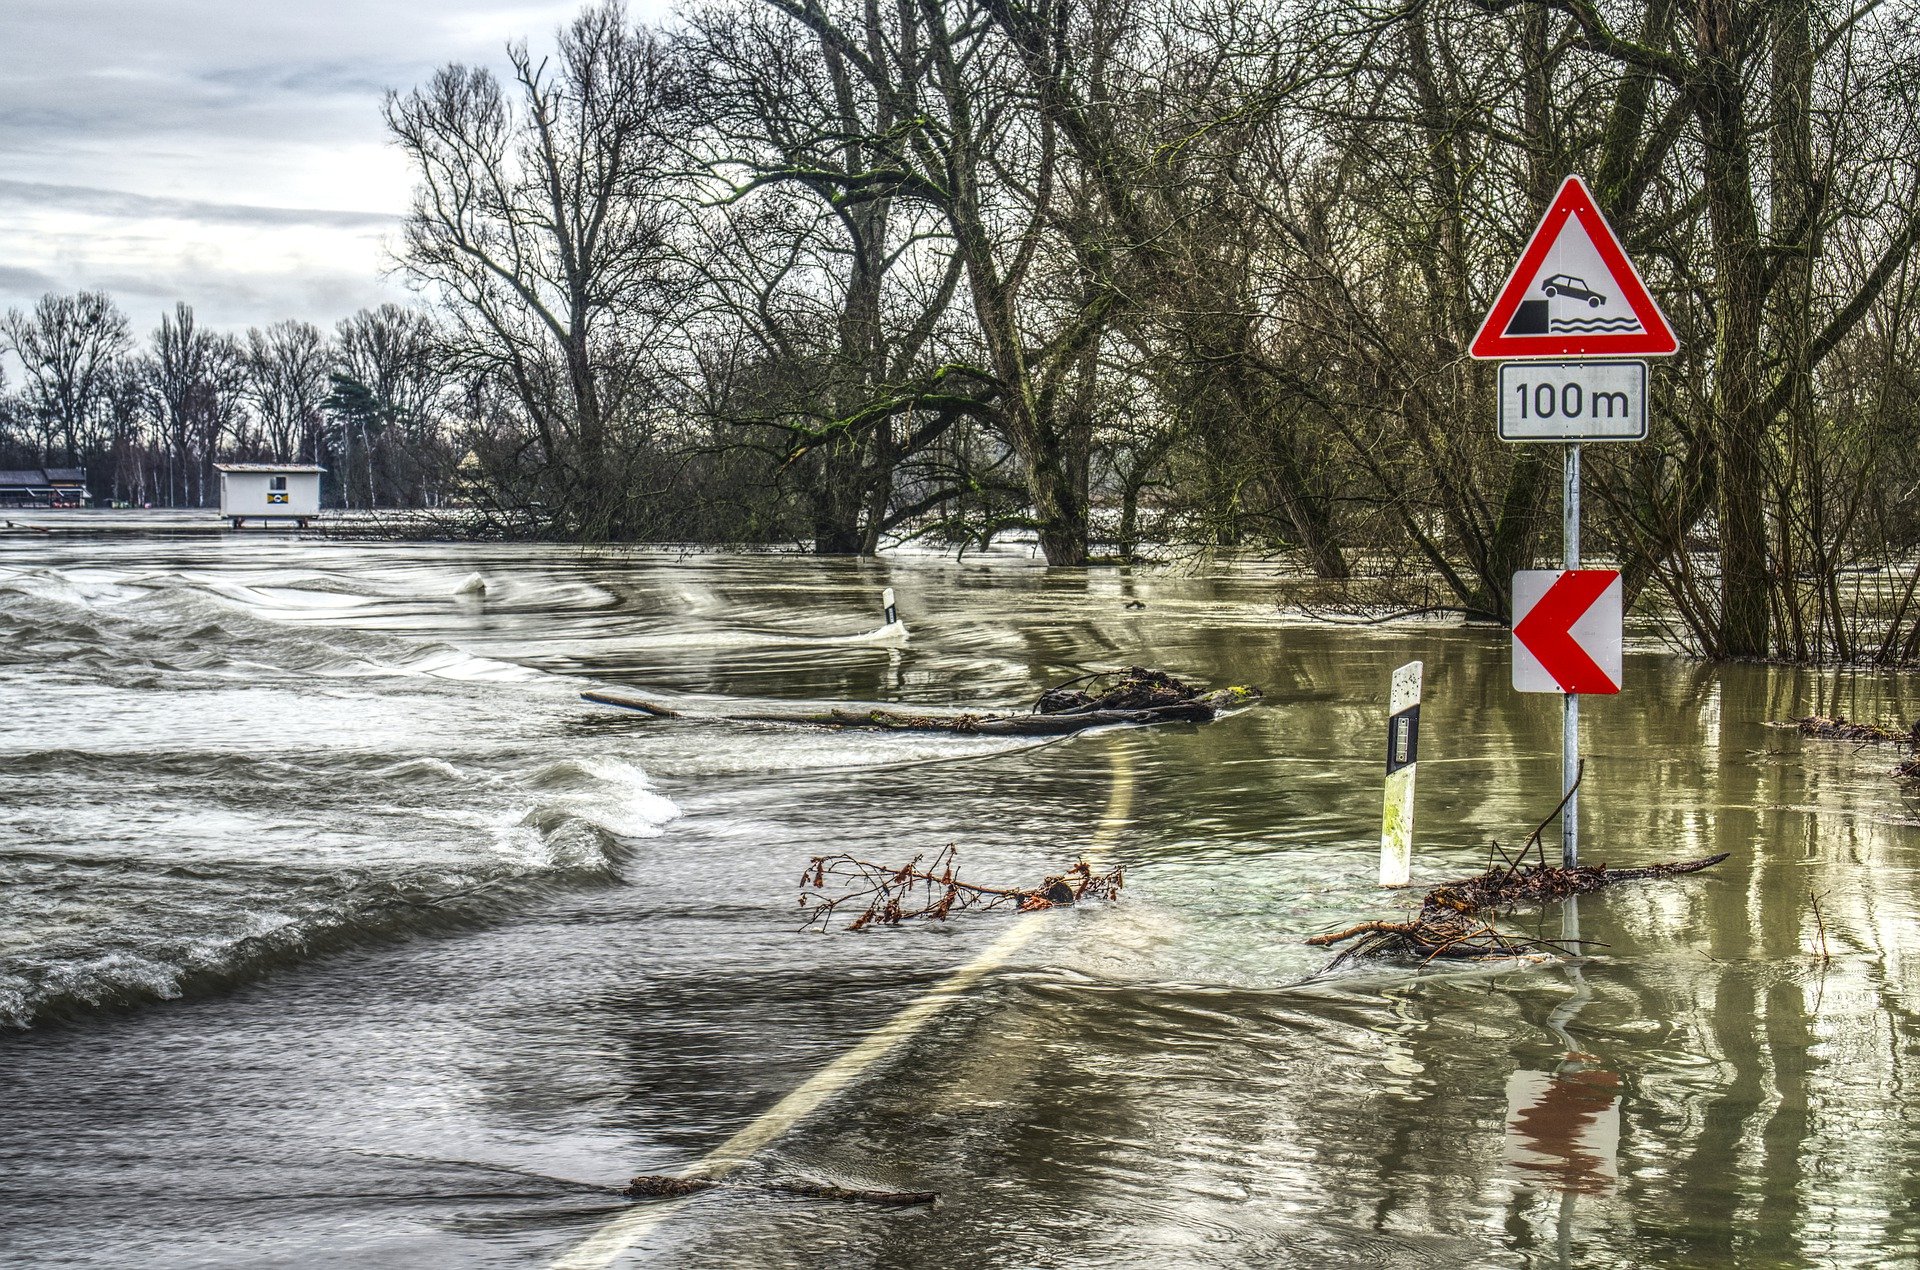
(886, 604)
(1570, 711)
(1403, 753)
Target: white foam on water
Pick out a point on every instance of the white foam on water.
(894, 633)
(609, 793)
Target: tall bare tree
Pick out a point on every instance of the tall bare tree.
(69, 346)
(539, 218)
(287, 365)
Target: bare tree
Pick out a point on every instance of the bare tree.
(68, 345)
(389, 386)
(287, 366)
(539, 219)
(194, 377)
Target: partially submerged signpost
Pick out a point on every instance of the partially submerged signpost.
(1573, 302)
(1572, 306)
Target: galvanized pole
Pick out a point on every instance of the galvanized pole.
(1570, 719)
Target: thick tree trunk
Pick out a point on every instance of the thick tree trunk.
(1738, 409)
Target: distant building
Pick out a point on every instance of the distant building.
(269, 491)
(44, 487)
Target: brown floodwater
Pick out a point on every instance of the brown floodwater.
(336, 929)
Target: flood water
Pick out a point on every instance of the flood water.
(335, 929)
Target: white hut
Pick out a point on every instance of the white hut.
(269, 491)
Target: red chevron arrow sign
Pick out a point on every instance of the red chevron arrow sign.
(1566, 630)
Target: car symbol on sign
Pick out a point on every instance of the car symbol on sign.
(1567, 284)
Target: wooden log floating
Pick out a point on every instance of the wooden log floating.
(1060, 712)
(877, 720)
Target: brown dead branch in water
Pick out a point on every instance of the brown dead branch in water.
(1448, 923)
(1820, 922)
(651, 1185)
(1840, 728)
(931, 891)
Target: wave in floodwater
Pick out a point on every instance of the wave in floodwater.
(196, 794)
(166, 630)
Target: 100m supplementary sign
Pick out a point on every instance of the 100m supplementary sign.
(1573, 401)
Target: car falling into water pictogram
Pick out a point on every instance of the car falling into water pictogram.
(1567, 284)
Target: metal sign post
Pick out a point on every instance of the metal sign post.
(1570, 702)
(1573, 301)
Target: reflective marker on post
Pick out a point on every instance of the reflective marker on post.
(886, 602)
(1403, 753)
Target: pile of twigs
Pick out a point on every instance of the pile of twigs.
(1135, 688)
(1840, 728)
(887, 895)
(1448, 923)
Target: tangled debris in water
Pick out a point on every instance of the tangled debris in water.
(1449, 925)
(1135, 688)
(930, 891)
(1840, 728)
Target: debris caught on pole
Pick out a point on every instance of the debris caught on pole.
(1448, 924)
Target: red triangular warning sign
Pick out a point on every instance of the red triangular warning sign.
(1574, 292)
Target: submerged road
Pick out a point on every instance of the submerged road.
(336, 929)
(613, 1239)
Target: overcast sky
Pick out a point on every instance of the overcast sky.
(229, 153)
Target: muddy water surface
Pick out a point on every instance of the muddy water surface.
(335, 929)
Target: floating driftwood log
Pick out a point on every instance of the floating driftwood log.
(1449, 923)
(887, 895)
(1134, 696)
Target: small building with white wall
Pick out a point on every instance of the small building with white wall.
(269, 491)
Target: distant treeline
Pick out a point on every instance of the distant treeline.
(372, 402)
(1178, 271)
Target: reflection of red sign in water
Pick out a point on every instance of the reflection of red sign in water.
(1564, 1131)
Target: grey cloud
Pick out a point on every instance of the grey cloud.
(222, 109)
(19, 281)
(121, 203)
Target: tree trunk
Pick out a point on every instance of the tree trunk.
(1738, 409)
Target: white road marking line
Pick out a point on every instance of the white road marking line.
(605, 1245)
